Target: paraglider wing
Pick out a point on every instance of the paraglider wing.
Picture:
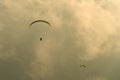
(40, 21)
(83, 66)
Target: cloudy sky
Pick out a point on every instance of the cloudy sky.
(83, 32)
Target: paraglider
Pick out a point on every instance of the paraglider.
(40, 21)
(83, 66)
(43, 21)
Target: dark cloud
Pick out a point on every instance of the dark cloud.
(11, 69)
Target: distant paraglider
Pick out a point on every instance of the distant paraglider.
(40, 21)
(83, 66)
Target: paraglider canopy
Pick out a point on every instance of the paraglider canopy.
(83, 66)
(40, 21)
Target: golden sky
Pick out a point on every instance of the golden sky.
(83, 32)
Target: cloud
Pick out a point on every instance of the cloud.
(95, 28)
(81, 31)
(97, 78)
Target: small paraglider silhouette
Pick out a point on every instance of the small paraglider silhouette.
(83, 66)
